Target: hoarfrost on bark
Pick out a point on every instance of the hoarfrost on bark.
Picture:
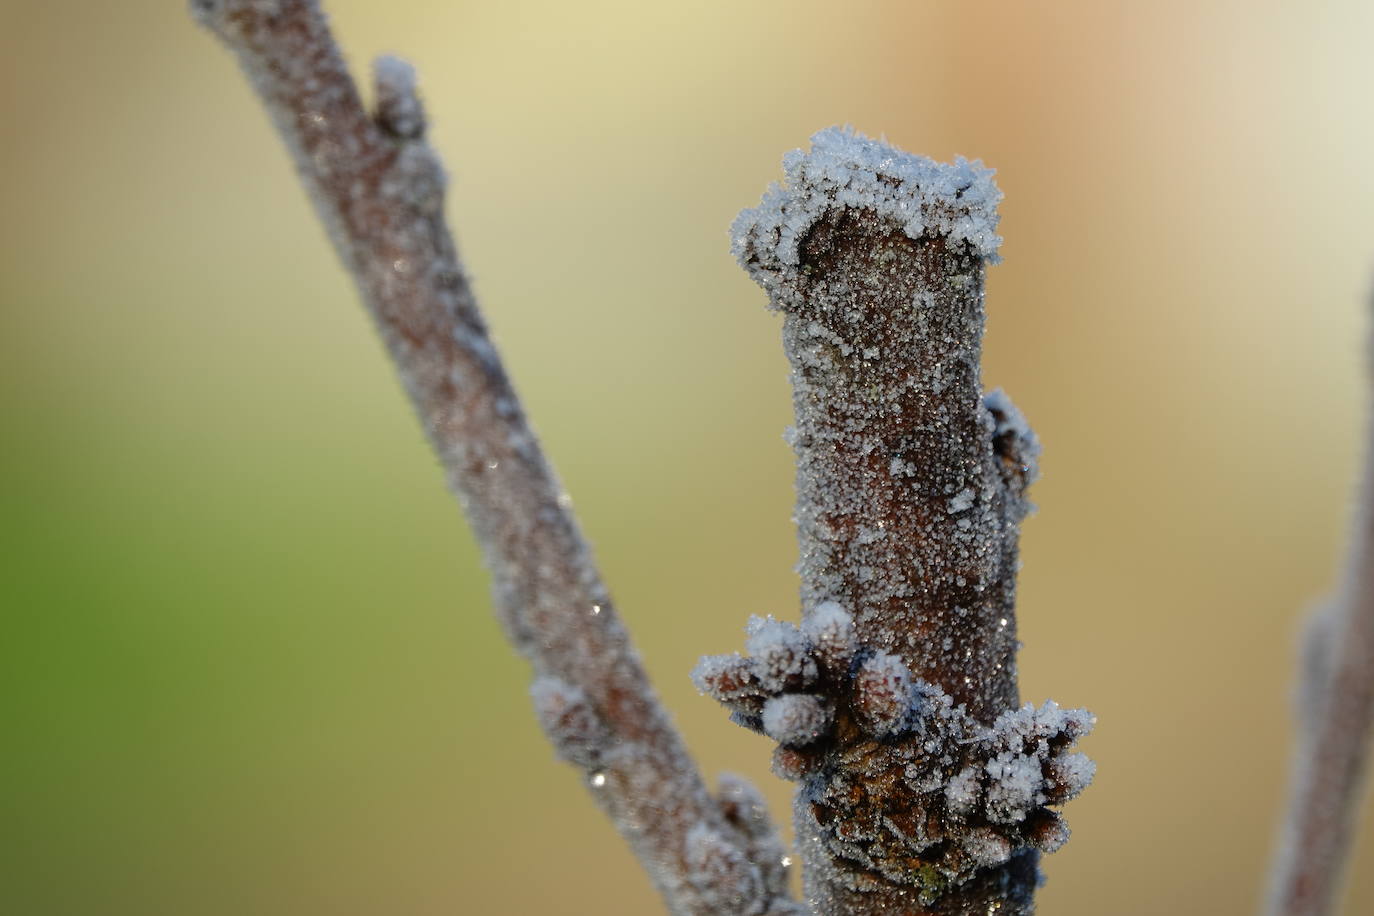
(795, 718)
(846, 169)
(930, 781)
(894, 772)
(378, 188)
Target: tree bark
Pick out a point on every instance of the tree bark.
(379, 190)
(925, 790)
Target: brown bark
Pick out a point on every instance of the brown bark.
(926, 793)
(378, 189)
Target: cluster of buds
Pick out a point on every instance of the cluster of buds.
(901, 782)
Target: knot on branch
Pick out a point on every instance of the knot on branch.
(399, 111)
(905, 786)
(1016, 446)
(578, 734)
(739, 868)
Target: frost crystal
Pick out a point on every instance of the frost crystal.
(727, 881)
(911, 484)
(845, 169)
(398, 106)
(745, 810)
(883, 694)
(795, 719)
(577, 733)
(831, 631)
(726, 678)
(919, 779)
(782, 658)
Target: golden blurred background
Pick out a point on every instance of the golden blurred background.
(249, 662)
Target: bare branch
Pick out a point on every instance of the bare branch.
(923, 786)
(1335, 709)
(378, 188)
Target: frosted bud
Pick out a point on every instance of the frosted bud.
(795, 718)
(720, 871)
(399, 112)
(1067, 775)
(727, 678)
(1074, 724)
(793, 764)
(964, 791)
(782, 658)
(986, 847)
(1013, 439)
(743, 805)
(882, 695)
(1014, 787)
(830, 629)
(577, 733)
(1047, 831)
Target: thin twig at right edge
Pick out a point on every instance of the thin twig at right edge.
(1335, 705)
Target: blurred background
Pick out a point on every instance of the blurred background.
(249, 663)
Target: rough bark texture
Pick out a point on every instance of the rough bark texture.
(923, 786)
(379, 189)
(905, 508)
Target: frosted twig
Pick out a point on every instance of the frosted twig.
(378, 188)
(1335, 710)
(923, 787)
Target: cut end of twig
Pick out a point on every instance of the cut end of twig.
(217, 14)
(399, 110)
(846, 170)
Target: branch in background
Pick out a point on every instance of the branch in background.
(1335, 709)
(923, 787)
(379, 190)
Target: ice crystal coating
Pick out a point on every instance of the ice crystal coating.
(399, 111)
(911, 484)
(794, 763)
(909, 481)
(795, 719)
(727, 678)
(846, 170)
(830, 629)
(986, 847)
(745, 810)
(782, 657)
(946, 792)
(1014, 442)
(900, 781)
(883, 694)
(721, 872)
(573, 727)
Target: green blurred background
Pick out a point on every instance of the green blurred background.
(249, 664)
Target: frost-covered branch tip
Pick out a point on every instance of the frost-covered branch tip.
(379, 190)
(1335, 713)
(925, 787)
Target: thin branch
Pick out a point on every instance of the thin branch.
(922, 785)
(1335, 711)
(379, 190)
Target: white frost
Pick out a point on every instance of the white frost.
(846, 169)
(795, 718)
